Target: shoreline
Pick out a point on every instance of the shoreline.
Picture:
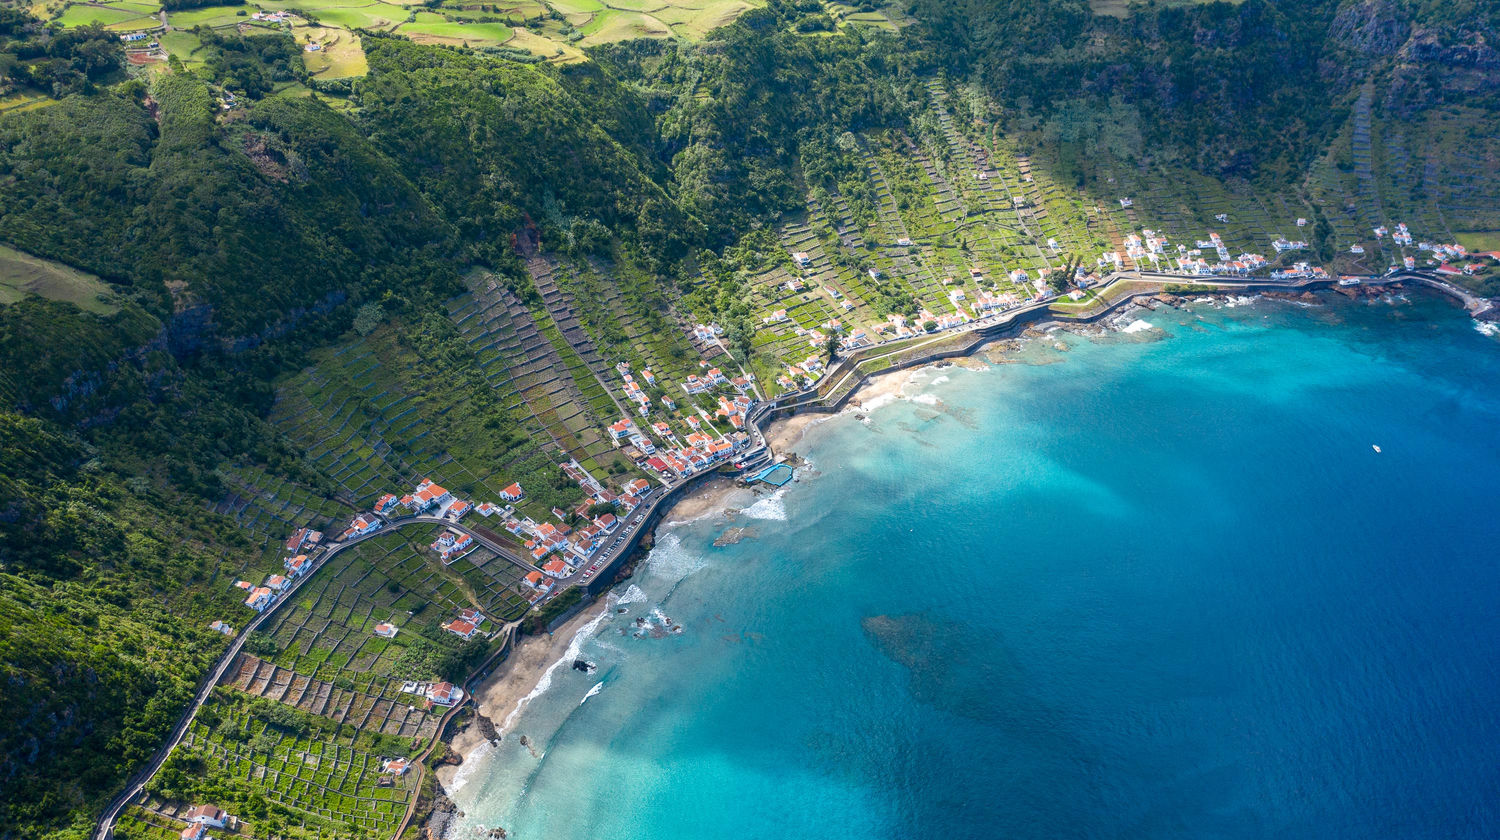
(504, 694)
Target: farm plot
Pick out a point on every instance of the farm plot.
(328, 632)
(339, 54)
(283, 773)
(82, 14)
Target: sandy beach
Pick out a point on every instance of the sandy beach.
(711, 497)
(516, 677)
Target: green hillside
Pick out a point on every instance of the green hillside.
(240, 296)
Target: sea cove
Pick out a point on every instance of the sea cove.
(1153, 583)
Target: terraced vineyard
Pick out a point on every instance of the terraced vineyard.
(937, 221)
(296, 776)
(351, 697)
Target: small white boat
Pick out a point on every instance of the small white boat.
(1374, 447)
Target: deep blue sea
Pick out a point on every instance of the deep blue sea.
(1156, 585)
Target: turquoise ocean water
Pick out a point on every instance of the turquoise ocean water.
(1162, 587)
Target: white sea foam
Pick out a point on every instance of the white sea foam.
(598, 687)
(1137, 326)
(575, 647)
(633, 595)
(472, 763)
(669, 560)
(939, 380)
(925, 399)
(1489, 328)
(771, 507)
(874, 403)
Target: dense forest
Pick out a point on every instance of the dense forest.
(237, 243)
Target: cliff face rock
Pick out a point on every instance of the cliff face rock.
(1436, 65)
(1428, 62)
(1459, 50)
(1372, 27)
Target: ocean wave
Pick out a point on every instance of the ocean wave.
(873, 404)
(1136, 326)
(472, 763)
(771, 507)
(924, 399)
(1489, 328)
(633, 595)
(669, 560)
(598, 687)
(575, 647)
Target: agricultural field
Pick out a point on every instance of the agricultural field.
(294, 739)
(281, 772)
(113, 16)
(340, 55)
(209, 16)
(22, 274)
(431, 28)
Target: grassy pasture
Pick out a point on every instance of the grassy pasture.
(133, 6)
(341, 56)
(543, 46)
(445, 32)
(370, 16)
(22, 274)
(1480, 240)
(210, 16)
(80, 15)
(616, 25)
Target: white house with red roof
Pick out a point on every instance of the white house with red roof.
(513, 493)
(557, 569)
(463, 629)
(260, 598)
(196, 831)
(386, 504)
(394, 766)
(362, 525)
(452, 545)
(206, 815)
(303, 538)
(386, 630)
(620, 429)
(457, 510)
(295, 566)
(445, 694)
(276, 583)
(429, 495)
